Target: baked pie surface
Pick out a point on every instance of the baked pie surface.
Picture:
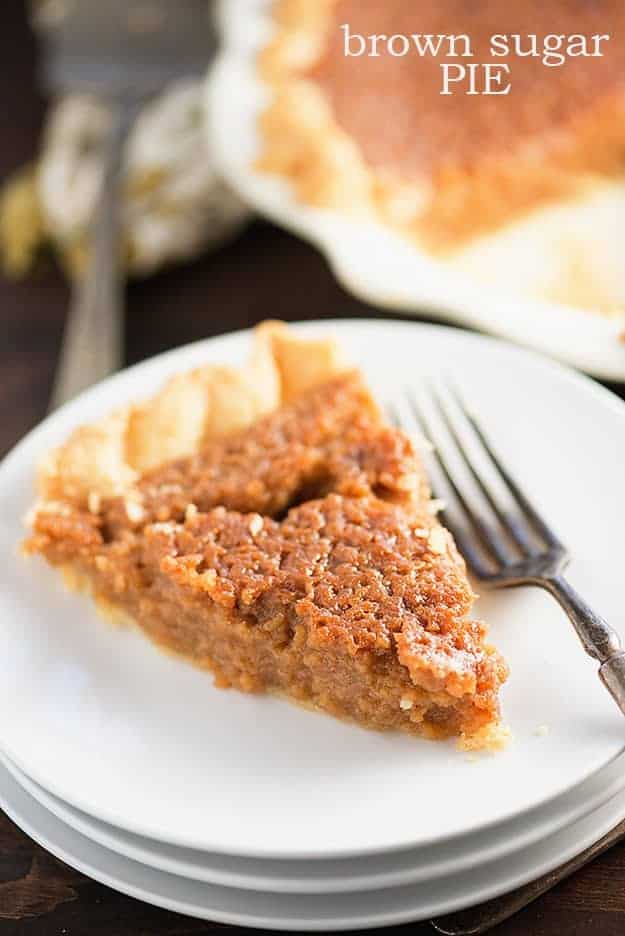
(298, 554)
(373, 135)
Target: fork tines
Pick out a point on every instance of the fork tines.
(499, 532)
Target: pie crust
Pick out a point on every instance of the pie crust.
(285, 539)
(107, 458)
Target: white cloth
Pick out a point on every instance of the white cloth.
(174, 205)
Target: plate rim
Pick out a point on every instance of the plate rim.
(617, 804)
(373, 881)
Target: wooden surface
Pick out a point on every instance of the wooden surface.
(266, 273)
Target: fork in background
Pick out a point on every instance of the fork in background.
(123, 51)
(502, 537)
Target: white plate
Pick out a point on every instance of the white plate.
(101, 718)
(298, 912)
(373, 872)
(370, 260)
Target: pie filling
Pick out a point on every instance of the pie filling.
(372, 131)
(300, 555)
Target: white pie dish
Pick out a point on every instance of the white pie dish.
(511, 272)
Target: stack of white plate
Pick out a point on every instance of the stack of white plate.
(130, 766)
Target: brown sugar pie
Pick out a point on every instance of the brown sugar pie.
(534, 179)
(267, 524)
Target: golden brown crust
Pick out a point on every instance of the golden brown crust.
(107, 458)
(477, 167)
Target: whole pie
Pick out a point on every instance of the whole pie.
(267, 524)
(524, 188)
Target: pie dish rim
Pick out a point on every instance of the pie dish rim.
(372, 262)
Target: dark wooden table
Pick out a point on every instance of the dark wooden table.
(266, 273)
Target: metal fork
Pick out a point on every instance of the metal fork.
(503, 538)
(124, 52)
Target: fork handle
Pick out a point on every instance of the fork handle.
(92, 345)
(483, 917)
(599, 640)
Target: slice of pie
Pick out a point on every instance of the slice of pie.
(268, 525)
(524, 189)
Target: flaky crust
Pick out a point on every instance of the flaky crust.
(106, 459)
